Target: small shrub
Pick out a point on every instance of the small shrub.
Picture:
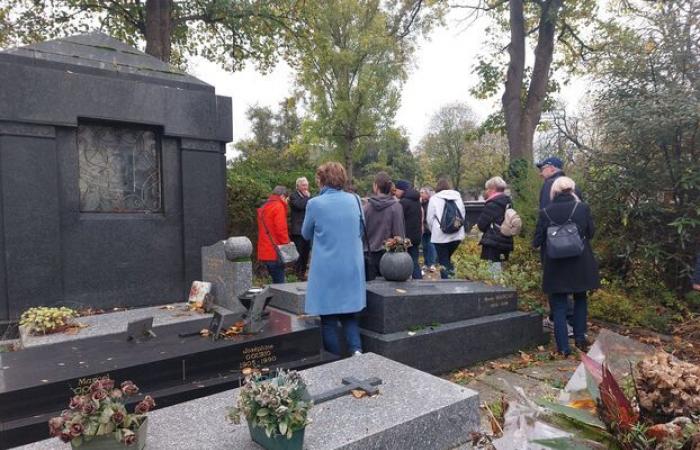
(44, 320)
(611, 305)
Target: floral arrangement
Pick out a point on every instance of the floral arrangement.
(655, 408)
(100, 412)
(397, 244)
(279, 405)
(44, 320)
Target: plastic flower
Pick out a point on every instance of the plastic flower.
(130, 388)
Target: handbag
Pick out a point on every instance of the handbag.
(369, 264)
(286, 253)
(563, 241)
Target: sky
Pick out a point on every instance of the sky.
(441, 74)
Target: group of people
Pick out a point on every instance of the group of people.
(345, 237)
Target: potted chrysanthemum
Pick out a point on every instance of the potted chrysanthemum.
(396, 264)
(276, 410)
(99, 420)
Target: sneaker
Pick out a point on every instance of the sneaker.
(356, 353)
(432, 268)
(569, 330)
(547, 323)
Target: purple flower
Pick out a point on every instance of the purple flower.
(76, 402)
(142, 408)
(129, 437)
(66, 437)
(56, 426)
(118, 417)
(116, 394)
(76, 429)
(99, 394)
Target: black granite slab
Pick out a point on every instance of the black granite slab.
(394, 306)
(36, 383)
(458, 344)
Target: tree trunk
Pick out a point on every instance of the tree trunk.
(347, 152)
(512, 108)
(158, 29)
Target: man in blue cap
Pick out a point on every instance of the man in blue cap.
(551, 168)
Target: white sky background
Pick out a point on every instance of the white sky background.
(441, 74)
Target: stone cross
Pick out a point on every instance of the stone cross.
(349, 384)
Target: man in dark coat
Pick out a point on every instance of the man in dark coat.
(409, 199)
(575, 275)
(383, 219)
(495, 247)
(297, 203)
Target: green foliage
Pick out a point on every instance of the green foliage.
(351, 62)
(643, 176)
(44, 320)
(230, 33)
(390, 153)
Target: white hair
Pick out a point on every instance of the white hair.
(563, 185)
(496, 183)
(301, 180)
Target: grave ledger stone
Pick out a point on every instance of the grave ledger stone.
(112, 175)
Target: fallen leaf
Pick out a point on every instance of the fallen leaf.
(540, 348)
(205, 332)
(401, 291)
(168, 307)
(358, 393)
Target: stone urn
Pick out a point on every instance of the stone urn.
(396, 266)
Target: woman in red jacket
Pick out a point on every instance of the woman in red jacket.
(272, 231)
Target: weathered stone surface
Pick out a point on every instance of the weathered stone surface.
(458, 344)
(238, 247)
(289, 297)
(394, 307)
(413, 411)
(229, 279)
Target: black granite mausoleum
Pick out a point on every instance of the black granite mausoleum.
(112, 175)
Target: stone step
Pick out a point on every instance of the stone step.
(394, 306)
(444, 347)
(413, 411)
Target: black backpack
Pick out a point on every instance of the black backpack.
(563, 240)
(452, 220)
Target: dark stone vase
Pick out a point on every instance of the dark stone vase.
(277, 442)
(396, 266)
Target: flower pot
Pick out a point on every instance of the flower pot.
(107, 441)
(396, 266)
(277, 442)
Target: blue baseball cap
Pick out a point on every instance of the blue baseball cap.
(551, 161)
(403, 185)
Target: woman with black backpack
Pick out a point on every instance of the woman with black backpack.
(445, 219)
(495, 246)
(564, 231)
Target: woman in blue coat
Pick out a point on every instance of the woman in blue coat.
(336, 287)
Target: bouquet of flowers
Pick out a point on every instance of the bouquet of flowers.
(100, 412)
(278, 405)
(397, 244)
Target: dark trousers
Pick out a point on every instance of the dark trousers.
(276, 270)
(351, 329)
(413, 251)
(373, 268)
(559, 305)
(428, 249)
(303, 247)
(444, 255)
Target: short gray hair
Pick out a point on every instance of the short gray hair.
(427, 189)
(561, 185)
(300, 180)
(279, 190)
(498, 184)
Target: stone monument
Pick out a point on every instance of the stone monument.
(227, 266)
(112, 175)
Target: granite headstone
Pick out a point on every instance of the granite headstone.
(229, 269)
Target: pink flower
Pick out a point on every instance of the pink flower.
(130, 388)
(76, 402)
(95, 385)
(76, 429)
(118, 417)
(149, 401)
(116, 394)
(56, 426)
(107, 384)
(129, 437)
(88, 408)
(99, 394)
(66, 437)
(142, 408)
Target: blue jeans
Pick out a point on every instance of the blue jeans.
(351, 327)
(444, 254)
(413, 251)
(559, 305)
(429, 254)
(276, 270)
